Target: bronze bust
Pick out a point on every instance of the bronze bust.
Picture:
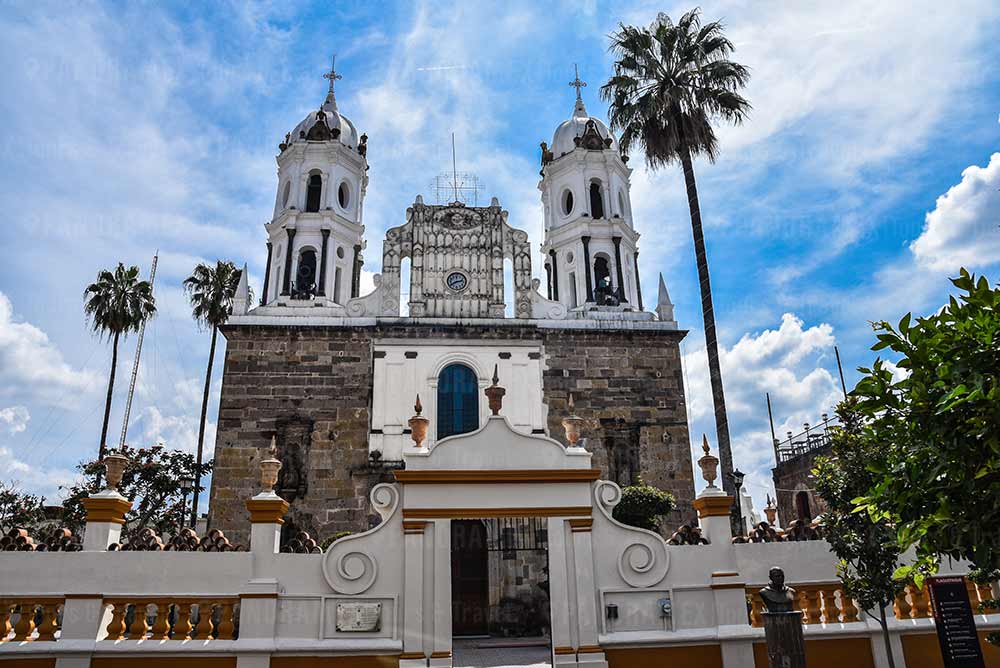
(776, 596)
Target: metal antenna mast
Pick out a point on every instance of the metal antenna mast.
(135, 363)
(840, 369)
(454, 167)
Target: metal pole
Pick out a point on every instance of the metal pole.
(770, 418)
(840, 369)
(135, 363)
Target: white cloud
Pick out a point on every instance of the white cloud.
(963, 230)
(43, 481)
(791, 364)
(16, 418)
(32, 367)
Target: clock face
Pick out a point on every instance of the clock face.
(457, 281)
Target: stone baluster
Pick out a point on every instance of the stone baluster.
(985, 591)
(226, 627)
(849, 607)
(182, 627)
(810, 605)
(50, 621)
(161, 627)
(204, 629)
(116, 627)
(5, 615)
(756, 609)
(139, 627)
(831, 613)
(921, 602)
(902, 606)
(25, 621)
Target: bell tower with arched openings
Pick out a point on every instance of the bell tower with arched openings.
(316, 236)
(590, 248)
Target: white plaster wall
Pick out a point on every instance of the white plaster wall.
(398, 379)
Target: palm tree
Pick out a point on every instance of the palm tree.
(670, 83)
(115, 304)
(211, 291)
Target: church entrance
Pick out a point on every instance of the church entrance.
(500, 592)
(469, 579)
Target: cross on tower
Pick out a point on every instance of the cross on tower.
(576, 83)
(332, 74)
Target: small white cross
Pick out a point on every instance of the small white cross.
(576, 83)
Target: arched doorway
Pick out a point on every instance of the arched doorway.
(314, 192)
(469, 578)
(596, 201)
(803, 511)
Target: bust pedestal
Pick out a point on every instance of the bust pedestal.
(785, 646)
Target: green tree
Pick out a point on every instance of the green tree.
(19, 509)
(211, 291)
(115, 304)
(939, 478)
(151, 481)
(642, 506)
(671, 82)
(867, 549)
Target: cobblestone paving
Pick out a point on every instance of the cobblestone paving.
(469, 655)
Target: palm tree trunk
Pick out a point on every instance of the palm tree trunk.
(102, 447)
(711, 342)
(201, 428)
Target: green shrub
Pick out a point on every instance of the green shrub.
(642, 506)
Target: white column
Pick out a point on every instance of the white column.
(589, 652)
(441, 649)
(414, 654)
(563, 647)
(105, 516)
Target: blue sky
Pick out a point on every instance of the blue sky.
(867, 174)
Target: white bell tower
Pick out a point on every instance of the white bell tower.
(316, 235)
(590, 248)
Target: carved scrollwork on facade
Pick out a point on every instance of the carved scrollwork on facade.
(350, 565)
(439, 239)
(641, 556)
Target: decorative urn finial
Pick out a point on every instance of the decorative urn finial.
(771, 511)
(114, 464)
(418, 424)
(269, 467)
(708, 463)
(495, 393)
(572, 423)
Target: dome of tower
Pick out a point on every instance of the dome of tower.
(338, 126)
(565, 138)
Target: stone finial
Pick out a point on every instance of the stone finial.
(708, 463)
(771, 511)
(572, 423)
(269, 467)
(418, 424)
(114, 464)
(664, 307)
(495, 393)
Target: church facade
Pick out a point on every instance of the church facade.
(331, 376)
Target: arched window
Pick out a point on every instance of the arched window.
(596, 201)
(314, 193)
(603, 290)
(305, 275)
(458, 401)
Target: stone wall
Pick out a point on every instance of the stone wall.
(626, 384)
(622, 382)
(792, 477)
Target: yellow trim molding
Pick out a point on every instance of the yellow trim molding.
(563, 650)
(414, 526)
(589, 649)
(728, 585)
(267, 511)
(484, 513)
(713, 506)
(501, 476)
(581, 523)
(106, 509)
(724, 574)
(356, 661)
(441, 655)
(163, 661)
(412, 655)
(264, 594)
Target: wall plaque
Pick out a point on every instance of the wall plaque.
(359, 617)
(956, 627)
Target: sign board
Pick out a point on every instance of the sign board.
(956, 626)
(353, 617)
